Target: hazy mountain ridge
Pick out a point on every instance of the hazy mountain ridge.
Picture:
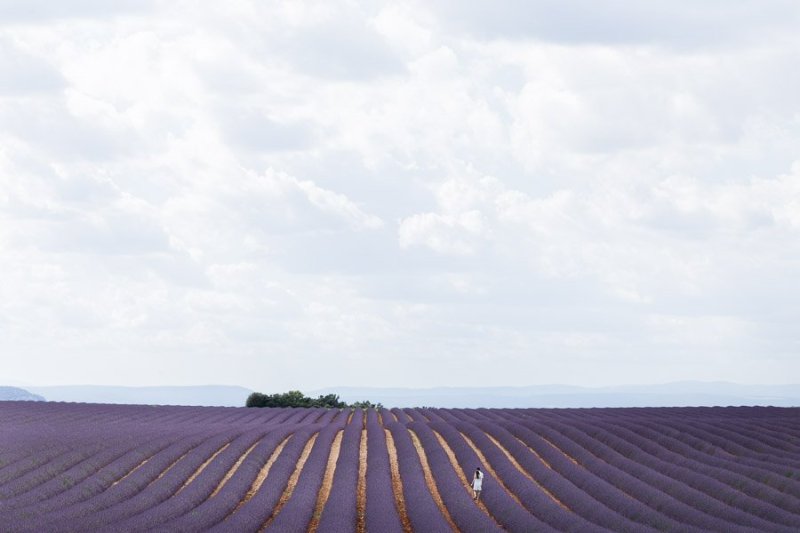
(210, 395)
(678, 394)
(16, 394)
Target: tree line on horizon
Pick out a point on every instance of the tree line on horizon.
(295, 398)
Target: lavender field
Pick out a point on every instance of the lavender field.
(90, 467)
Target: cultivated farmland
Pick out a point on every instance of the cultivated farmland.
(88, 467)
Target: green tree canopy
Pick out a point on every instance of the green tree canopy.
(295, 398)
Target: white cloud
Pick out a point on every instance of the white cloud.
(679, 24)
(442, 233)
(338, 204)
(247, 191)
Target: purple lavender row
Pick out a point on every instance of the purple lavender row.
(684, 428)
(47, 471)
(159, 490)
(693, 475)
(24, 462)
(17, 448)
(637, 500)
(700, 512)
(339, 513)
(533, 433)
(415, 415)
(777, 445)
(283, 415)
(35, 445)
(95, 482)
(747, 440)
(423, 513)
(701, 441)
(699, 475)
(750, 442)
(449, 416)
(401, 415)
(216, 508)
(531, 495)
(75, 475)
(644, 484)
(777, 427)
(9, 455)
(468, 415)
(122, 491)
(463, 510)
(754, 446)
(433, 415)
(750, 481)
(781, 469)
(298, 511)
(381, 513)
(732, 451)
(505, 510)
(777, 473)
(314, 415)
(98, 413)
(194, 493)
(256, 511)
(653, 448)
(582, 494)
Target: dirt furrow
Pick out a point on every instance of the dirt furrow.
(327, 482)
(397, 483)
(430, 481)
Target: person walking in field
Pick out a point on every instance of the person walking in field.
(477, 482)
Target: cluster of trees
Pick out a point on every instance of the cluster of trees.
(295, 398)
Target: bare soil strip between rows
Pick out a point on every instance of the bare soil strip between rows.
(397, 483)
(430, 481)
(292, 483)
(327, 482)
(233, 469)
(489, 468)
(262, 475)
(134, 469)
(534, 452)
(201, 468)
(525, 472)
(350, 417)
(361, 491)
(167, 469)
(601, 460)
(559, 450)
(460, 473)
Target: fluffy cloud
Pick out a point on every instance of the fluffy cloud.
(398, 194)
(678, 24)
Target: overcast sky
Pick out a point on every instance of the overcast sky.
(305, 194)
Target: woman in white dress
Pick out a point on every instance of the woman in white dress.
(477, 482)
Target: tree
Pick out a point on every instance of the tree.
(256, 400)
(366, 404)
(295, 398)
(329, 400)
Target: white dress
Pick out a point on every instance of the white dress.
(477, 482)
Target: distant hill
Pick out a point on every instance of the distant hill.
(210, 395)
(678, 394)
(19, 395)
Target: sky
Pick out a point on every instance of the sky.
(310, 194)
